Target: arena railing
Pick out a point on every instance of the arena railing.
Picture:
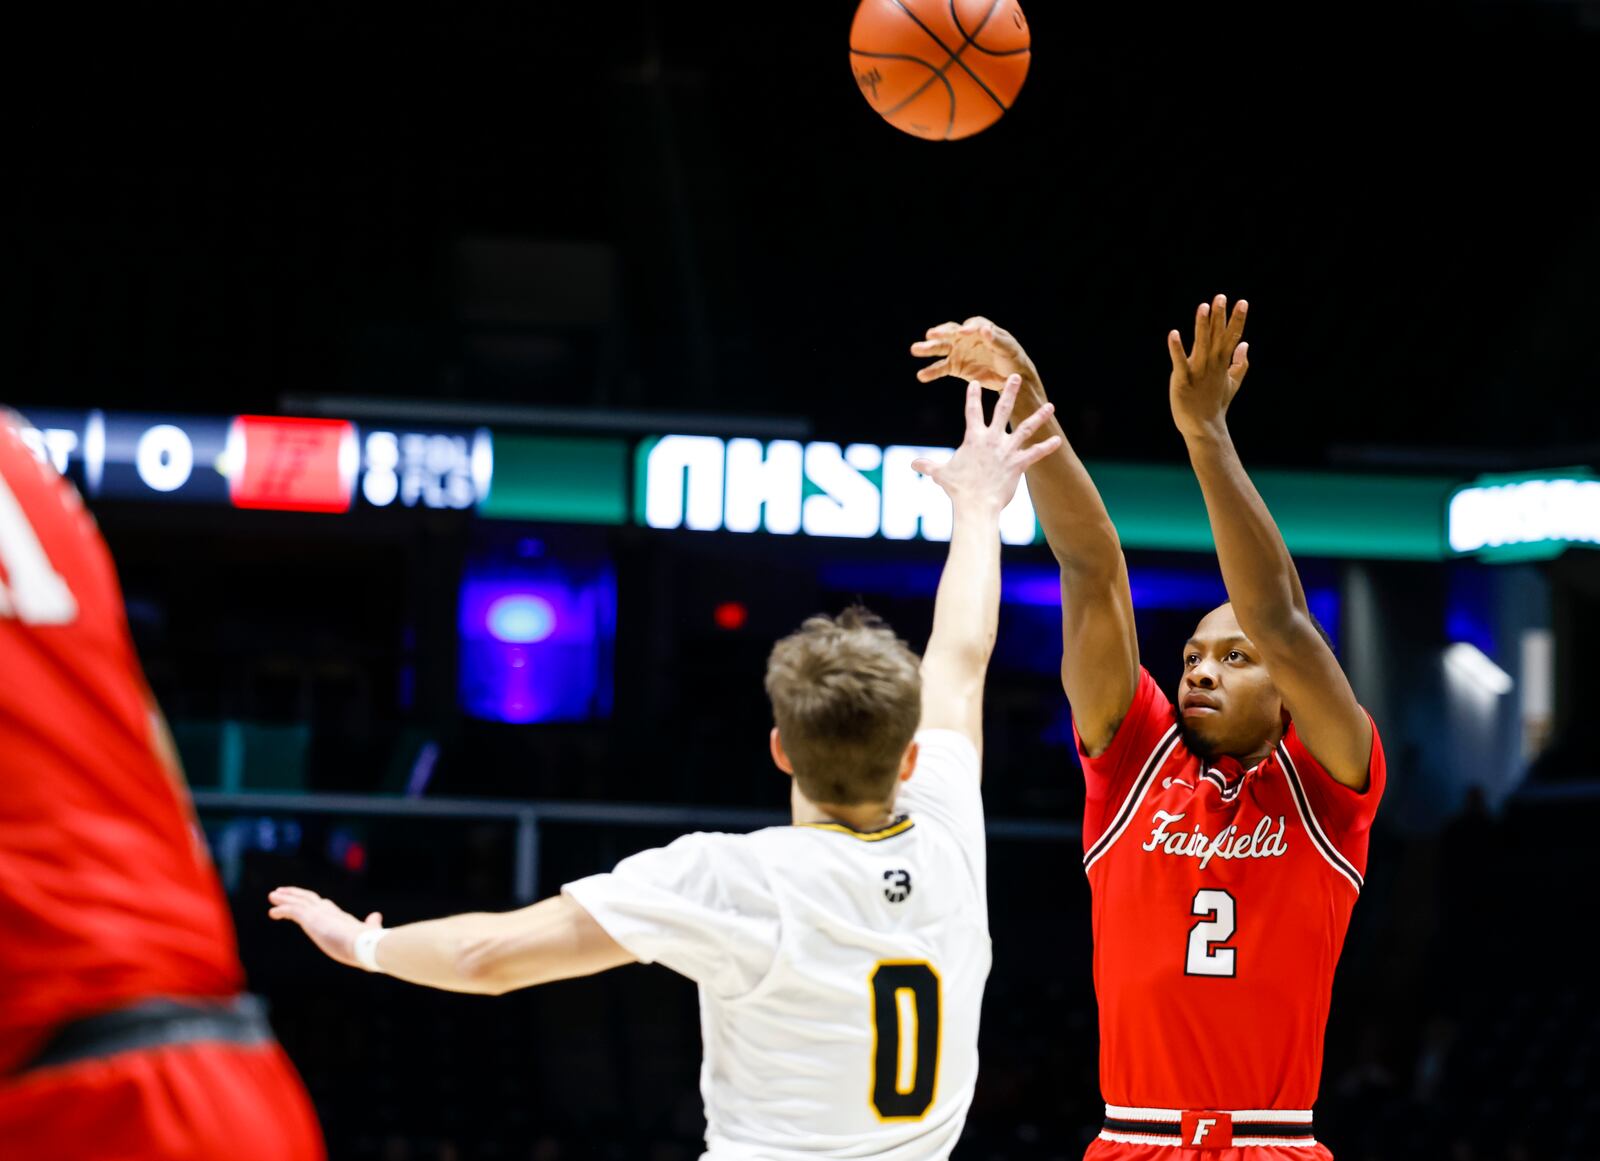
(529, 817)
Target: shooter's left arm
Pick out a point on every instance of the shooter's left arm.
(1260, 575)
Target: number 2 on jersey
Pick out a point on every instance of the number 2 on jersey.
(1216, 927)
(32, 592)
(905, 1037)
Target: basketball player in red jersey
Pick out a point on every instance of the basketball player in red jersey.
(1224, 840)
(123, 1030)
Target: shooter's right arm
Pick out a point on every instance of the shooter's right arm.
(1100, 649)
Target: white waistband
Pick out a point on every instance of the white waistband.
(1272, 1128)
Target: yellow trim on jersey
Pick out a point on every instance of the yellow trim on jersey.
(866, 836)
(916, 1063)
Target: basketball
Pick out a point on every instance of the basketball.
(940, 69)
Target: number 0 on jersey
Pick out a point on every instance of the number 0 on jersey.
(905, 1033)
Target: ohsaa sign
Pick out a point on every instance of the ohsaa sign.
(785, 487)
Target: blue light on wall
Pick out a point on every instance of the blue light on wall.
(1325, 607)
(1029, 584)
(1039, 587)
(537, 641)
(520, 619)
(1471, 608)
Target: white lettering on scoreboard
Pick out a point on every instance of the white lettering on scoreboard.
(783, 487)
(426, 469)
(1558, 511)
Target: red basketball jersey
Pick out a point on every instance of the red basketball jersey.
(106, 894)
(1221, 900)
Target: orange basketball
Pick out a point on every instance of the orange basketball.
(940, 69)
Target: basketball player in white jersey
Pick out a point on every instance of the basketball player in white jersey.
(841, 960)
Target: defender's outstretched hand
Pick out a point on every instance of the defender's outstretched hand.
(331, 929)
(989, 463)
(1205, 380)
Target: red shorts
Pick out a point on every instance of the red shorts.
(1102, 1150)
(187, 1102)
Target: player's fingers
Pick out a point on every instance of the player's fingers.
(975, 325)
(1219, 325)
(1007, 401)
(1202, 332)
(925, 467)
(1241, 364)
(1040, 450)
(1028, 427)
(974, 405)
(934, 371)
(375, 919)
(1175, 349)
(1235, 330)
(295, 893)
(931, 348)
(945, 331)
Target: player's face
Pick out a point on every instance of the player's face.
(1226, 702)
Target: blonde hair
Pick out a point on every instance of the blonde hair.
(846, 695)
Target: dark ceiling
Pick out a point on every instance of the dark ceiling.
(255, 204)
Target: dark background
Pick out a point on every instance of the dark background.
(255, 202)
(689, 209)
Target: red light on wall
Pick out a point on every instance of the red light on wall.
(291, 465)
(731, 615)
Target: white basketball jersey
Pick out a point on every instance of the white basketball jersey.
(841, 973)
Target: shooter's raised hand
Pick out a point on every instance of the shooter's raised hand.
(977, 351)
(1205, 380)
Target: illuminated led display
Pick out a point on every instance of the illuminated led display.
(252, 461)
(781, 487)
(1525, 517)
(860, 490)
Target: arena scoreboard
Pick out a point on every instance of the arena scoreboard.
(282, 463)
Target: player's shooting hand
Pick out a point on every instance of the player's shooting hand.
(986, 467)
(331, 929)
(975, 350)
(1205, 380)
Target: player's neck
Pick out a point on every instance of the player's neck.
(1253, 759)
(1258, 755)
(868, 816)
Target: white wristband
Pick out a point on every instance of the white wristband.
(366, 948)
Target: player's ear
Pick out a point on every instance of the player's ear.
(908, 760)
(779, 758)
